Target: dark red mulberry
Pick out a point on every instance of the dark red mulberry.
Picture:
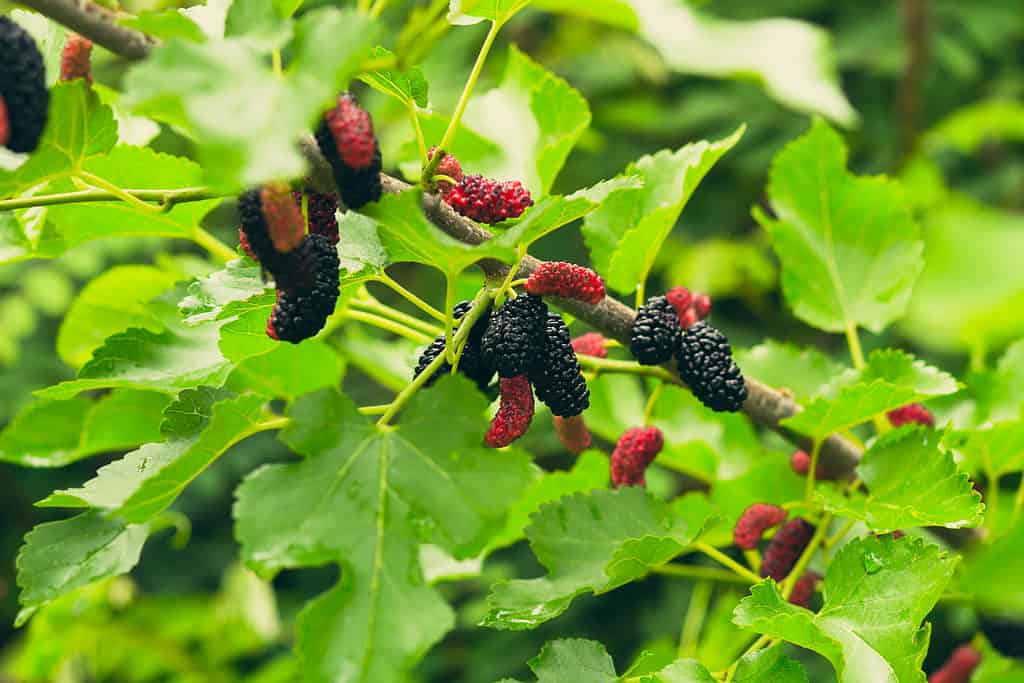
(706, 365)
(283, 217)
(75, 59)
(471, 363)
(345, 138)
(959, 667)
(912, 413)
(655, 334)
(488, 201)
(555, 372)
(800, 462)
(803, 589)
(322, 210)
(307, 295)
(681, 299)
(690, 307)
(567, 280)
(23, 90)
(636, 450)
(515, 335)
(256, 233)
(702, 305)
(754, 521)
(448, 166)
(590, 344)
(785, 548)
(572, 432)
(514, 414)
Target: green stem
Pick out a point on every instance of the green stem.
(627, 367)
(113, 189)
(694, 619)
(805, 557)
(449, 318)
(415, 117)
(506, 284)
(374, 306)
(386, 324)
(165, 198)
(377, 8)
(419, 303)
(831, 541)
(374, 410)
(992, 501)
(275, 61)
(1018, 503)
(651, 401)
(812, 469)
(276, 422)
(640, 291)
(214, 246)
(857, 354)
(720, 557)
(693, 571)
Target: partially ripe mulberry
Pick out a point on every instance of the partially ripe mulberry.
(655, 334)
(706, 365)
(471, 363)
(754, 521)
(959, 667)
(488, 201)
(515, 335)
(567, 280)
(448, 166)
(322, 212)
(636, 450)
(346, 140)
(803, 589)
(24, 99)
(283, 217)
(555, 372)
(307, 295)
(590, 344)
(785, 548)
(257, 242)
(912, 413)
(75, 59)
(514, 413)
(572, 432)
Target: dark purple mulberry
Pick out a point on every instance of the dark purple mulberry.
(24, 99)
(555, 372)
(706, 365)
(515, 335)
(308, 294)
(471, 363)
(655, 334)
(785, 548)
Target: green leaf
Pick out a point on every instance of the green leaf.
(900, 369)
(471, 11)
(852, 405)
(288, 371)
(681, 671)
(995, 451)
(848, 245)
(804, 372)
(406, 85)
(592, 542)
(967, 128)
(60, 556)
(165, 25)
(910, 482)
(617, 13)
(259, 22)
(993, 574)
(546, 113)
(365, 497)
(57, 433)
(207, 296)
(626, 233)
(146, 481)
(108, 304)
(769, 665)
(571, 660)
(877, 592)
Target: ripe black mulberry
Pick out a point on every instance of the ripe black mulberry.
(655, 335)
(308, 293)
(515, 336)
(706, 365)
(24, 99)
(555, 372)
(471, 363)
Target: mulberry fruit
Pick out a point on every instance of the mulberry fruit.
(258, 241)
(681, 299)
(309, 293)
(637, 448)
(959, 667)
(556, 374)
(567, 280)
(785, 548)
(243, 242)
(515, 335)
(488, 201)
(448, 166)
(75, 59)
(912, 413)
(803, 589)
(256, 234)
(345, 138)
(754, 521)
(1004, 634)
(514, 414)
(471, 363)
(655, 335)
(800, 463)
(283, 217)
(572, 432)
(706, 365)
(590, 344)
(702, 306)
(690, 307)
(322, 210)
(25, 99)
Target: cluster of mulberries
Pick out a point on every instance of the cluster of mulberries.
(24, 99)
(472, 363)
(514, 413)
(346, 140)
(590, 344)
(304, 267)
(754, 521)
(567, 280)
(706, 365)
(474, 196)
(959, 667)
(635, 451)
(572, 432)
(691, 307)
(75, 59)
(912, 413)
(785, 548)
(654, 338)
(448, 166)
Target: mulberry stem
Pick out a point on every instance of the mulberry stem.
(214, 246)
(419, 303)
(627, 367)
(694, 571)
(415, 117)
(164, 198)
(385, 324)
(805, 557)
(857, 354)
(812, 469)
(720, 557)
(113, 189)
(700, 597)
(374, 306)
(651, 401)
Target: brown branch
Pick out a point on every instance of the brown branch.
(95, 23)
(915, 36)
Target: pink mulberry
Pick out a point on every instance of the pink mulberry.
(572, 433)
(959, 667)
(514, 414)
(637, 448)
(803, 589)
(912, 413)
(75, 59)
(567, 280)
(754, 521)
(590, 344)
(448, 166)
(785, 548)
(488, 201)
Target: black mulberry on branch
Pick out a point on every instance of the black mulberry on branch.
(706, 365)
(785, 548)
(309, 291)
(471, 363)
(655, 334)
(515, 335)
(555, 372)
(24, 99)
(346, 139)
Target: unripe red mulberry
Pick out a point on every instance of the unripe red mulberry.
(681, 299)
(754, 521)
(448, 166)
(912, 413)
(283, 216)
(637, 448)
(702, 306)
(514, 414)
(959, 667)
(707, 367)
(590, 344)
(655, 333)
(572, 432)
(75, 59)
(567, 280)
(803, 589)
(488, 201)
(785, 548)
(800, 462)
(346, 140)
(25, 99)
